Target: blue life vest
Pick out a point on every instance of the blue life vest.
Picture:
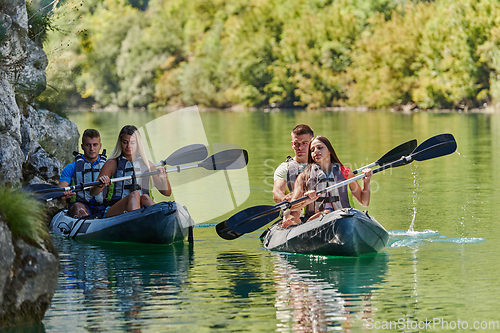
(126, 168)
(337, 198)
(85, 172)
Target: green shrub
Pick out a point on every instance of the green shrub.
(24, 215)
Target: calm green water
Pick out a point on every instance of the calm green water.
(438, 273)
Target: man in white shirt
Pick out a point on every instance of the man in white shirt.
(287, 172)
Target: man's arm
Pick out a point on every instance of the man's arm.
(65, 179)
(279, 191)
(280, 184)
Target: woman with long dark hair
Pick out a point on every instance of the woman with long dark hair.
(129, 159)
(323, 170)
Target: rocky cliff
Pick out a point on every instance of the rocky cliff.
(34, 144)
(34, 147)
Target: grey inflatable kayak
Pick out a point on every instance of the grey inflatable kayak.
(163, 223)
(346, 232)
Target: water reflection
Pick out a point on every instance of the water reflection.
(318, 294)
(106, 282)
(242, 272)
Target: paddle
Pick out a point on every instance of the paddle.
(230, 159)
(394, 154)
(256, 217)
(188, 154)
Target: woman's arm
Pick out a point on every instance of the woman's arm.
(161, 180)
(107, 171)
(362, 195)
(298, 192)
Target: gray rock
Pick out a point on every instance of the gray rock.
(43, 165)
(28, 279)
(32, 82)
(10, 117)
(11, 160)
(46, 140)
(56, 135)
(7, 254)
(39, 271)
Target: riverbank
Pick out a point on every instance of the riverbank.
(402, 110)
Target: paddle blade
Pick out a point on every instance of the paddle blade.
(41, 188)
(230, 159)
(398, 152)
(189, 154)
(43, 192)
(248, 220)
(46, 196)
(439, 145)
(225, 232)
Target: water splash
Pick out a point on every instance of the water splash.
(461, 240)
(414, 197)
(410, 237)
(461, 155)
(411, 228)
(402, 238)
(414, 234)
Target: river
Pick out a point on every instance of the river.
(438, 272)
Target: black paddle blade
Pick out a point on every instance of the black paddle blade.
(189, 154)
(248, 220)
(226, 233)
(230, 159)
(46, 196)
(398, 152)
(43, 192)
(41, 188)
(437, 146)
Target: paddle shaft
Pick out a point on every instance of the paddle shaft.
(219, 161)
(120, 179)
(401, 161)
(285, 204)
(371, 165)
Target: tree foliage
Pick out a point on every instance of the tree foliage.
(305, 53)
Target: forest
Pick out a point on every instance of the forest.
(312, 54)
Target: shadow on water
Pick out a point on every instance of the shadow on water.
(242, 271)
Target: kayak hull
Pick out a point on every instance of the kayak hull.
(163, 223)
(346, 232)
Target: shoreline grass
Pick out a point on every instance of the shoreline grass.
(24, 214)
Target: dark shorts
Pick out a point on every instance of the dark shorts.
(92, 209)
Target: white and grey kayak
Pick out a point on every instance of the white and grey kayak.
(346, 232)
(163, 223)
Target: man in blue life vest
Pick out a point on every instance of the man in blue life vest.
(85, 169)
(287, 172)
